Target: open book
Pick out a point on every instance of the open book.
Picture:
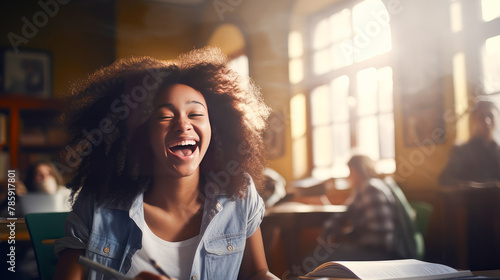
(394, 269)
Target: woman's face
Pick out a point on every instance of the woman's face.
(180, 130)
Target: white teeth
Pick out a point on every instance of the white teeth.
(183, 143)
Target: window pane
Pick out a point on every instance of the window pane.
(342, 55)
(340, 94)
(322, 173)
(491, 9)
(456, 16)
(368, 137)
(491, 65)
(320, 109)
(322, 146)
(385, 95)
(296, 68)
(387, 147)
(321, 35)
(367, 91)
(322, 61)
(341, 143)
(298, 115)
(240, 65)
(340, 24)
(340, 170)
(295, 48)
(372, 34)
(299, 149)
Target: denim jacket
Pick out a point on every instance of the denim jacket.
(111, 236)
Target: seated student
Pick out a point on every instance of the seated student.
(475, 166)
(46, 190)
(366, 230)
(476, 162)
(168, 171)
(44, 177)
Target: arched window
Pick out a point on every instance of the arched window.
(475, 23)
(343, 67)
(232, 42)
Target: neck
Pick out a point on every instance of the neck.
(174, 194)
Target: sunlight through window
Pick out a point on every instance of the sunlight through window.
(491, 65)
(352, 110)
(299, 137)
(295, 52)
(490, 9)
(456, 17)
(372, 34)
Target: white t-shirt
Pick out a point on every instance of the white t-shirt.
(175, 258)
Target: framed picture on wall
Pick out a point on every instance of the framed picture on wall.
(423, 120)
(27, 72)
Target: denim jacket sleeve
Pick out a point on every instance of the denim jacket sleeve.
(255, 210)
(77, 227)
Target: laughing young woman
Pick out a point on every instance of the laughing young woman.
(165, 157)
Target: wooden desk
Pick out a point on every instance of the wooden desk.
(494, 274)
(290, 219)
(471, 231)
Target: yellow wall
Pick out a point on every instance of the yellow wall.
(151, 28)
(79, 36)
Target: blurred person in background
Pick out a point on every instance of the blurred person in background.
(366, 230)
(473, 174)
(478, 160)
(44, 177)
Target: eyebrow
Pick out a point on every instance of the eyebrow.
(170, 105)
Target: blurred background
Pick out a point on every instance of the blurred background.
(392, 79)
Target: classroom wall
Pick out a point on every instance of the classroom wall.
(79, 35)
(152, 28)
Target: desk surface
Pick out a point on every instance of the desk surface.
(297, 208)
(493, 274)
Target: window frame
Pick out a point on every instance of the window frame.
(311, 80)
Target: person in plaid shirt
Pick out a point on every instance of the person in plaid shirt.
(366, 230)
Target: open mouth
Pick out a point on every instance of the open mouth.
(183, 148)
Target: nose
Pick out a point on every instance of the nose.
(183, 124)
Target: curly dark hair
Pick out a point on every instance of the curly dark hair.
(107, 114)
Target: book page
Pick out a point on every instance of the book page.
(396, 269)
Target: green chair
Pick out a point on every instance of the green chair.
(410, 241)
(423, 211)
(44, 229)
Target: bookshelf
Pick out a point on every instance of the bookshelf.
(28, 131)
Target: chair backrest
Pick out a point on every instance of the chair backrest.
(424, 211)
(409, 242)
(44, 229)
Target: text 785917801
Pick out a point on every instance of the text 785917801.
(11, 225)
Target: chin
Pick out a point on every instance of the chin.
(186, 171)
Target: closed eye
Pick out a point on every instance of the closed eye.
(166, 118)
